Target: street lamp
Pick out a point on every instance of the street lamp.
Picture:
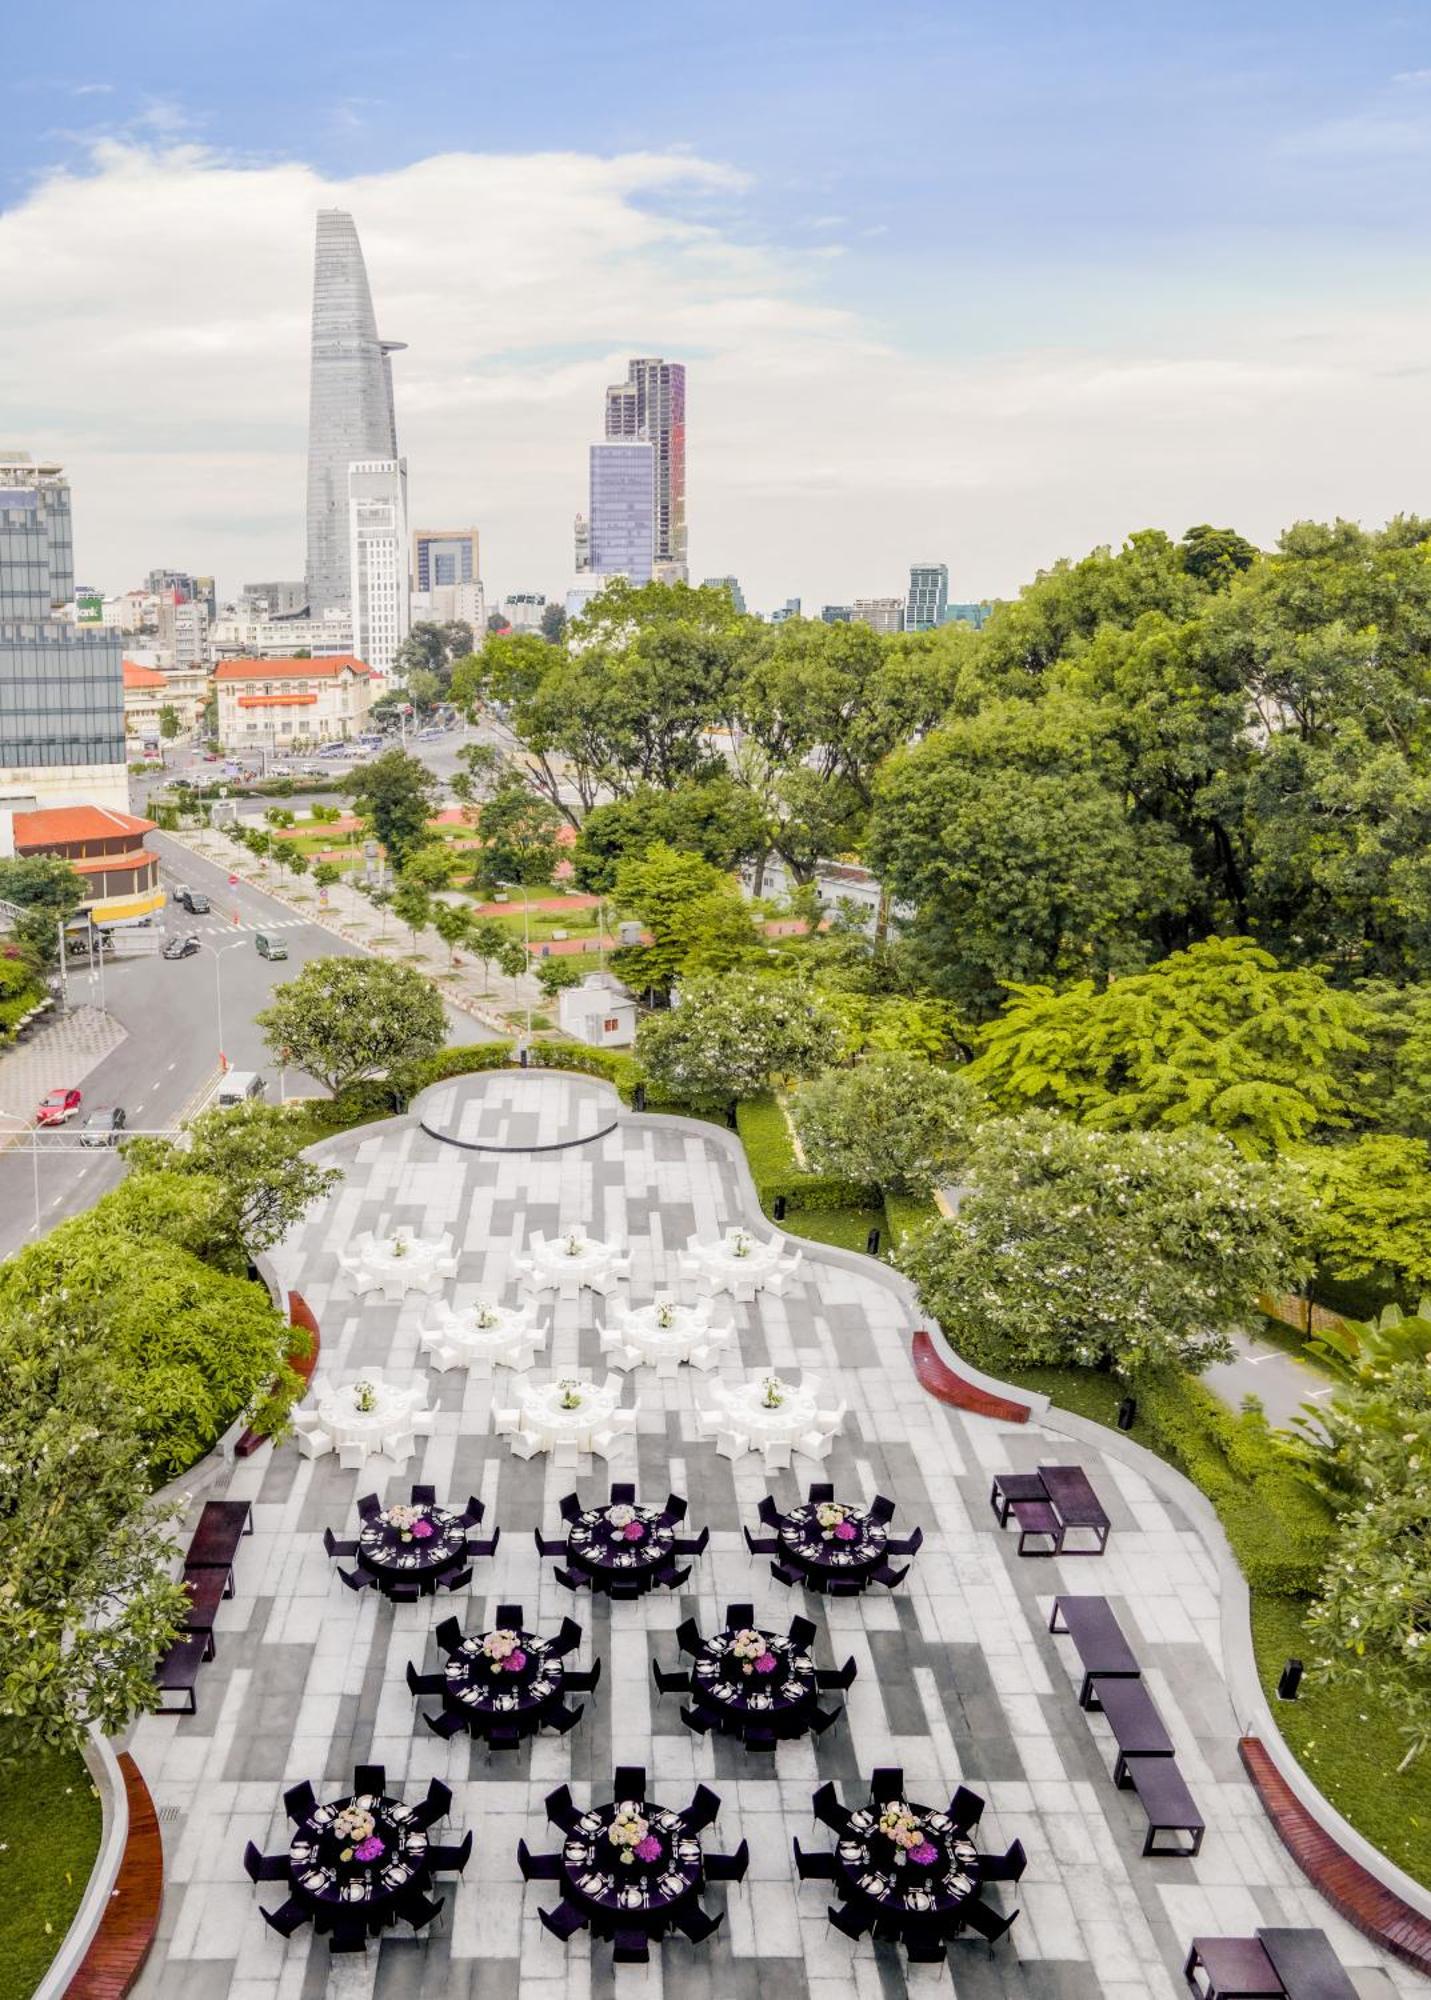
(218, 950)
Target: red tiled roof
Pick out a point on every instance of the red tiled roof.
(265, 670)
(136, 676)
(52, 826)
(101, 864)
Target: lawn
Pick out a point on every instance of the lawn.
(846, 1228)
(52, 1820)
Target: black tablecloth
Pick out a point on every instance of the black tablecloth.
(405, 1555)
(912, 1894)
(602, 1549)
(780, 1700)
(808, 1546)
(635, 1894)
(490, 1694)
(370, 1890)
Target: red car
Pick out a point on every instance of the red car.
(58, 1108)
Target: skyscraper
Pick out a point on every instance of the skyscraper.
(650, 405)
(377, 527)
(928, 596)
(350, 402)
(61, 687)
(443, 556)
(622, 508)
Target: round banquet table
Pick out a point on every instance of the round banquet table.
(808, 1546)
(593, 1263)
(743, 1405)
(369, 1430)
(397, 1555)
(632, 1894)
(781, 1701)
(906, 1892)
(503, 1699)
(330, 1886)
(607, 1552)
(545, 1420)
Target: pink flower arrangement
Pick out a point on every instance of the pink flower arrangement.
(766, 1664)
(633, 1531)
(845, 1531)
(648, 1849)
(925, 1854)
(422, 1528)
(369, 1849)
(514, 1662)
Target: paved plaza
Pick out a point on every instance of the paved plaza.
(958, 1676)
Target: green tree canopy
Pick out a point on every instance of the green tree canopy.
(716, 818)
(253, 1154)
(343, 1019)
(518, 831)
(49, 892)
(1373, 1209)
(729, 1038)
(894, 1121)
(398, 796)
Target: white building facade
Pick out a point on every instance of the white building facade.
(378, 546)
(281, 704)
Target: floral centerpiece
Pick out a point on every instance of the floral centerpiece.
(772, 1392)
(740, 1244)
(625, 1521)
(569, 1396)
(400, 1246)
(835, 1523)
(503, 1651)
(356, 1828)
(412, 1523)
(632, 1837)
(365, 1397)
(573, 1243)
(902, 1827)
(486, 1316)
(753, 1652)
(665, 1314)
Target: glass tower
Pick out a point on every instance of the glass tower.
(928, 599)
(651, 405)
(350, 402)
(622, 508)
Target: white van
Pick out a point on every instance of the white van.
(236, 1086)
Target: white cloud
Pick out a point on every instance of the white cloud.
(156, 341)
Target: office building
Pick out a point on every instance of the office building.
(273, 704)
(928, 598)
(273, 600)
(254, 635)
(147, 693)
(523, 610)
(170, 583)
(977, 615)
(622, 509)
(377, 531)
(350, 405)
(61, 685)
(731, 585)
(452, 604)
(788, 610)
(183, 631)
(581, 543)
(836, 614)
(650, 407)
(443, 556)
(881, 614)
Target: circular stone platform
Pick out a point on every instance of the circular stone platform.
(518, 1111)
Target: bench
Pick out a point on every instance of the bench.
(207, 1589)
(1306, 1965)
(1232, 1969)
(1098, 1640)
(178, 1670)
(934, 1374)
(1011, 1486)
(1078, 1506)
(222, 1526)
(1036, 1517)
(118, 1949)
(1137, 1727)
(1163, 1794)
(300, 1314)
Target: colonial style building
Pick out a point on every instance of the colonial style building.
(147, 692)
(107, 847)
(275, 704)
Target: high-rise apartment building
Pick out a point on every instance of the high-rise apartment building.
(730, 584)
(788, 610)
(622, 509)
(444, 556)
(377, 542)
(170, 583)
(881, 614)
(581, 543)
(836, 614)
(928, 598)
(273, 600)
(650, 406)
(61, 685)
(350, 404)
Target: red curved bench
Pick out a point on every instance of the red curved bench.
(127, 1929)
(300, 1313)
(934, 1374)
(1353, 1891)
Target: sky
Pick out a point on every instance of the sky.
(987, 284)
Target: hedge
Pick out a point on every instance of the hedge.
(904, 1213)
(765, 1133)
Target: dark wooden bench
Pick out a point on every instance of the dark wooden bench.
(178, 1671)
(1351, 1889)
(1098, 1640)
(1164, 1796)
(206, 1590)
(222, 1526)
(1077, 1505)
(1137, 1727)
(1306, 1965)
(118, 1949)
(1011, 1486)
(1232, 1969)
(1037, 1518)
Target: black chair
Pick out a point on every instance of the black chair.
(502, 1736)
(836, 1677)
(369, 1507)
(828, 1810)
(701, 1811)
(545, 1547)
(569, 1507)
(448, 1635)
(564, 1719)
(569, 1579)
(674, 1509)
(626, 1590)
(299, 1801)
(925, 1951)
(757, 1737)
(814, 1864)
(783, 1573)
(768, 1511)
(910, 1546)
(629, 1781)
(446, 1725)
(630, 1948)
(418, 1912)
(424, 1496)
(890, 1578)
(623, 1493)
(802, 1633)
(538, 1867)
(424, 1683)
(688, 1636)
(672, 1578)
(728, 1867)
(451, 1860)
(561, 1808)
(264, 1867)
(881, 1509)
(348, 1934)
(336, 1548)
(370, 1778)
(841, 1586)
(459, 1579)
(563, 1922)
(886, 1784)
(698, 1924)
(819, 1490)
(507, 1618)
(966, 1809)
(1007, 1867)
(288, 1918)
(986, 1923)
(567, 1639)
(693, 1545)
(696, 1722)
(824, 1718)
(759, 1545)
(434, 1807)
(849, 1922)
(356, 1579)
(404, 1593)
(669, 1680)
(739, 1616)
(476, 1547)
(472, 1513)
(583, 1680)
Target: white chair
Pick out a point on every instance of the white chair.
(815, 1444)
(313, 1443)
(424, 1423)
(504, 1422)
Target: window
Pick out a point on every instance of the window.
(610, 1025)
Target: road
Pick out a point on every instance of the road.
(171, 1010)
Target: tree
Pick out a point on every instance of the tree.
(518, 832)
(398, 795)
(893, 1122)
(326, 873)
(554, 975)
(668, 891)
(48, 891)
(343, 1019)
(429, 867)
(497, 621)
(168, 722)
(452, 924)
(554, 624)
(294, 859)
(253, 1153)
(1373, 1209)
(512, 960)
(717, 818)
(1216, 555)
(1129, 1250)
(424, 691)
(487, 939)
(730, 1037)
(1217, 1035)
(412, 905)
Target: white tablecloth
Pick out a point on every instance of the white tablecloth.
(739, 1263)
(550, 1264)
(370, 1263)
(539, 1423)
(740, 1420)
(634, 1334)
(454, 1337)
(336, 1423)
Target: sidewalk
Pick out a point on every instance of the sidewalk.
(57, 1057)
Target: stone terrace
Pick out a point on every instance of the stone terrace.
(958, 1676)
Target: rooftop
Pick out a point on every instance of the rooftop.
(55, 826)
(266, 670)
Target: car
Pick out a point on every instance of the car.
(269, 947)
(102, 1128)
(58, 1107)
(193, 900)
(181, 947)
